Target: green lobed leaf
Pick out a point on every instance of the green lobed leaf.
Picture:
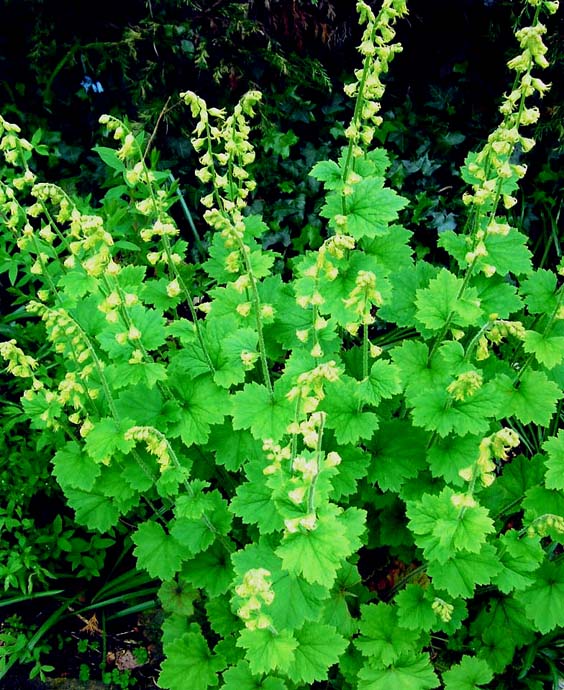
(190, 664)
(469, 674)
(382, 639)
(519, 556)
(240, 677)
(253, 501)
(319, 647)
(106, 438)
(539, 289)
(398, 453)
(370, 208)
(203, 403)
(547, 348)
(410, 672)
(532, 400)
(75, 469)
(317, 554)
(414, 608)
(544, 599)
(157, 552)
(440, 305)
(554, 448)
(460, 574)
(267, 416)
(266, 651)
(95, 510)
(345, 414)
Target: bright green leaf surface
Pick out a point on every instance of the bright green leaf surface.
(319, 647)
(410, 672)
(469, 674)
(190, 664)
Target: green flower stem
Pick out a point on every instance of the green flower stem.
(365, 345)
(258, 320)
(318, 453)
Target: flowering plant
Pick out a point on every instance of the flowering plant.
(270, 435)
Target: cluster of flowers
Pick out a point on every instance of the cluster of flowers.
(378, 52)
(256, 591)
(155, 443)
(493, 447)
(496, 163)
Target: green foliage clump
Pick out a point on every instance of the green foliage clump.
(272, 427)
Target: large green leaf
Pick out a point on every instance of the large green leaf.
(190, 664)
(410, 672)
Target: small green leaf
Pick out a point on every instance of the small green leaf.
(74, 468)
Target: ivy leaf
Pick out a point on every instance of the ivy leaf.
(469, 674)
(554, 448)
(268, 652)
(410, 672)
(265, 415)
(157, 552)
(240, 677)
(439, 304)
(369, 209)
(533, 400)
(319, 647)
(460, 574)
(544, 599)
(317, 554)
(381, 638)
(190, 664)
(344, 413)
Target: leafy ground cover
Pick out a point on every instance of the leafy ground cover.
(326, 441)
